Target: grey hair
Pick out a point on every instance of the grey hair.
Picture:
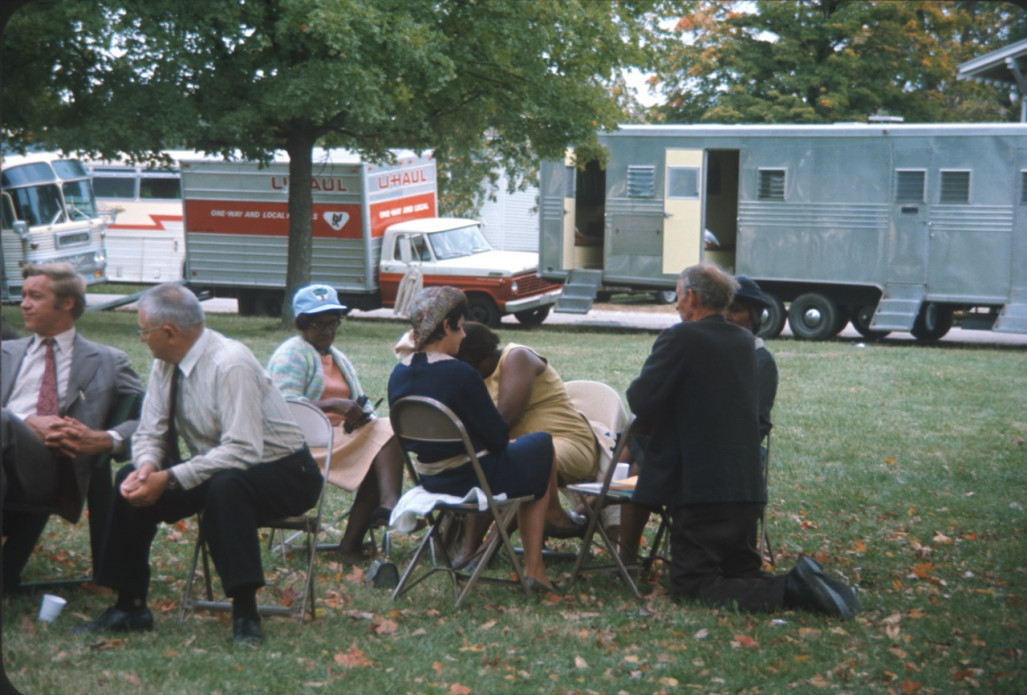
(714, 287)
(174, 304)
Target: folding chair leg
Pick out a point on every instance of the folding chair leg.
(498, 528)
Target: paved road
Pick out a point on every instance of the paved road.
(642, 315)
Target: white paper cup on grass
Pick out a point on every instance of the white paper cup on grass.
(51, 607)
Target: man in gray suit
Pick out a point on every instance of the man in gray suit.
(59, 393)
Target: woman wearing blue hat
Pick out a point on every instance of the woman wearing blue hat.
(308, 366)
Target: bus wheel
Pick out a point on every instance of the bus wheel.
(932, 323)
(861, 317)
(813, 316)
(773, 318)
(482, 309)
(533, 317)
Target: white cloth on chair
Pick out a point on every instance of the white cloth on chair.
(417, 502)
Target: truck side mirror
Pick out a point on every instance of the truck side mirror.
(21, 228)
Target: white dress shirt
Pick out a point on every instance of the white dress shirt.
(25, 394)
(229, 413)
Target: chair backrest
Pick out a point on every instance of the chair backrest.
(599, 402)
(317, 431)
(423, 419)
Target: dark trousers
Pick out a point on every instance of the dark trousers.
(234, 503)
(715, 557)
(30, 484)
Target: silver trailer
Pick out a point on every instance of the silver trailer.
(895, 227)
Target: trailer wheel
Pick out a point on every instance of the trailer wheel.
(247, 303)
(861, 317)
(665, 296)
(813, 316)
(267, 303)
(932, 323)
(482, 309)
(773, 318)
(533, 317)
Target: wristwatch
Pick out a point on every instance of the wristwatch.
(173, 483)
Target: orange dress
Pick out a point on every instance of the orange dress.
(352, 452)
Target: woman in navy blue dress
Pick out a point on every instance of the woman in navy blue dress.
(520, 467)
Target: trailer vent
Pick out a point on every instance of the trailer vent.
(771, 184)
(641, 182)
(955, 187)
(909, 186)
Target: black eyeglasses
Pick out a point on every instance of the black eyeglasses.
(321, 326)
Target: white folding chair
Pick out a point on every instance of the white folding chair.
(298, 596)
(422, 419)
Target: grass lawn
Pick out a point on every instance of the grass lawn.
(901, 468)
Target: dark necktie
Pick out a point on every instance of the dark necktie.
(172, 454)
(47, 403)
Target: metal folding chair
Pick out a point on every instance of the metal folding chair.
(299, 598)
(604, 494)
(422, 419)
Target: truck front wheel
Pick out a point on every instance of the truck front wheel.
(482, 309)
(932, 323)
(813, 316)
(533, 317)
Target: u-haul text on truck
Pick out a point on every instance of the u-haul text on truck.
(374, 229)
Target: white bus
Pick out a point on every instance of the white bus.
(145, 242)
(48, 213)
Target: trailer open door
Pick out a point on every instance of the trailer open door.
(683, 209)
(556, 218)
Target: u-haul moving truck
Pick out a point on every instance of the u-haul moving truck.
(374, 232)
(894, 227)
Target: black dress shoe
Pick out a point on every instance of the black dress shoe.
(116, 620)
(809, 588)
(246, 632)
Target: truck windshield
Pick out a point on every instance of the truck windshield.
(454, 243)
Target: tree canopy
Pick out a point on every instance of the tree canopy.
(484, 84)
(816, 61)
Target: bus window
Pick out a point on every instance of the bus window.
(114, 182)
(160, 187)
(38, 205)
(79, 197)
(6, 212)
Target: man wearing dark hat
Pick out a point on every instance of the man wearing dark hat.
(746, 310)
(698, 393)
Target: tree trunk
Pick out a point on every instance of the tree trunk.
(300, 148)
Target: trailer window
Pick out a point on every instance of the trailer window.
(682, 182)
(771, 184)
(1023, 187)
(955, 187)
(571, 179)
(909, 186)
(641, 182)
